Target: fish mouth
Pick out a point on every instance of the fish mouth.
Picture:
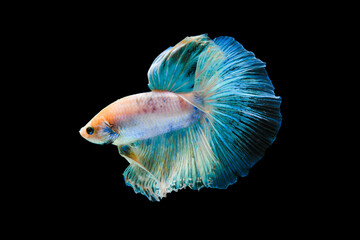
(82, 132)
(86, 136)
(92, 139)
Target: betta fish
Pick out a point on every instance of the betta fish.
(209, 117)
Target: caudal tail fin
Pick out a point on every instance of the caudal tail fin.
(240, 104)
(241, 118)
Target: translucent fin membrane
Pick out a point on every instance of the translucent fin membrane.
(173, 70)
(171, 161)
(244, 111)
(241, 118)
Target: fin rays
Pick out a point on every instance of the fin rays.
(241, 118)
(179, 165)
(173, 70)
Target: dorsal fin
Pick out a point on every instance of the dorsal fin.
(174, 69)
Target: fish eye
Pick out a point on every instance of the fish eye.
(90, 130)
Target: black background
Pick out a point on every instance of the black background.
(90, 61)
(105, 66)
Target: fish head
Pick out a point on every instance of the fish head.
(99, 131)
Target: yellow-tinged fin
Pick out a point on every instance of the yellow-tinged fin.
(172, 161)
(127, 152)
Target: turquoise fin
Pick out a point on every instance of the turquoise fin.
(172, 161)
(245, 112)
(241, 118)
(173, 70)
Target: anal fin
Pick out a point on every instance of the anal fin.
(171, 161)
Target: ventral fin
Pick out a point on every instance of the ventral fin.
(127, 152)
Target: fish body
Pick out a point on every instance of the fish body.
(142, 116)
(209, 117)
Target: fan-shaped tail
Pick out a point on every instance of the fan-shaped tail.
(240, 120)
